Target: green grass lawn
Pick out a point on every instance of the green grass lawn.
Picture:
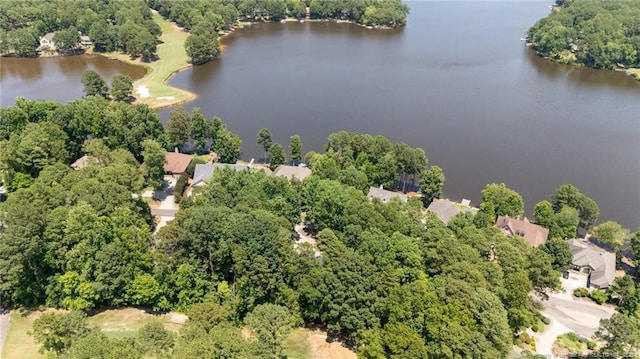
(172, 57)
(117, 323)
(19, 344)
(569, 342)
(120, 323)
(297, 345)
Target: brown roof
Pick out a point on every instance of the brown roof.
(176, 163)
(532, 234)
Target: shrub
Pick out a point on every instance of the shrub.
(535, 327)
(581, 292)
(591, 345)
(545, 320)
(181, 183)
(573, 336)
(598, 296)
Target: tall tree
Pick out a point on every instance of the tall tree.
(202, 48)
(227, 145)
(295, 148)
(505, 201)
(23, 42)
(543, 214)
(94, 84)
(199, 129)
(271, 324)
(66, 40)
(276, 156)
(154, 160)
(58, 332)
(612, 233)
(559, 250)
(265, 140)
(431, 184)
(155, 339)
(179, 128)
(121, 87)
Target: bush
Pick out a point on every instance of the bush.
(591, 345)
(535, 327)
(545, 320)
(598, 296)
(573, 336)
(178, 190)
(581, 292)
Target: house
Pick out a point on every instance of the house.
(85, 41)
(203, 172)
(176, 163)
(291, 172)
(46, 41)
(84, 161)
(384, 195)
(446, 209)
(533, 234)
(598, 264)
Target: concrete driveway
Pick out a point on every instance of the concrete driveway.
(570, 314)
(4, 327)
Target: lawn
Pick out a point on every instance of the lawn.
(572, 342)
(297, 345)
(116, 323)
(172, 58)
(19, 344)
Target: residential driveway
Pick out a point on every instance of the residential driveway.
(304, 237)
(570, 314)
(4, 327)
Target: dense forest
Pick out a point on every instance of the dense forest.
(127, 26)
(112, 25)
(595, 33)
(391, 280)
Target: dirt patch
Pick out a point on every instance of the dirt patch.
(246, 333)
(321, 349)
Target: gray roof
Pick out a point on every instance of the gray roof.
(204, 172)
(291, 172)
(384, 195)
(446, 209)
(84, 161)
(602, 263)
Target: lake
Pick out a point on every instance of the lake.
(56, 78)
(456, 81)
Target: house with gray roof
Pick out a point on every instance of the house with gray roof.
(446, 209)
(533, 234)
(291, 172)
(204, 172)
(598, 264)
(384, 195)
(46, 41)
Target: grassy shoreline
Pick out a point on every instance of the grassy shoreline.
(172, 58)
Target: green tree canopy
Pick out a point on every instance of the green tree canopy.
(431, 184)
(505, 201)
(121, 87)
(94, 84)
(276, 156)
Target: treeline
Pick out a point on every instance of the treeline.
(113, 25)
(387, 278)
(595, 33)
(205, 19)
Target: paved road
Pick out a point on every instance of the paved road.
(164, 212)
(4, 327)
(579, 315)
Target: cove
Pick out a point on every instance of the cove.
(56, 78)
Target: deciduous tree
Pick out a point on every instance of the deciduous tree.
(154, 160)
(94, 84)
(431, 184)
(179, 127)
(276, 156)
(295, 148)
(121, 87)
(265, 140)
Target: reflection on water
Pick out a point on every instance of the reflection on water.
(56, 78)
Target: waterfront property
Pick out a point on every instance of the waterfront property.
(533, 234)
(291, 172)
(46, 41)
(176, 162)
(385, 195)
(597, 264)
(204, 171)
(446, 209)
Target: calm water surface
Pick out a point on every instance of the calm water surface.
(56, 78)
(455, 81)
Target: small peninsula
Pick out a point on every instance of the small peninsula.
(592, 33)
(165, 36)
